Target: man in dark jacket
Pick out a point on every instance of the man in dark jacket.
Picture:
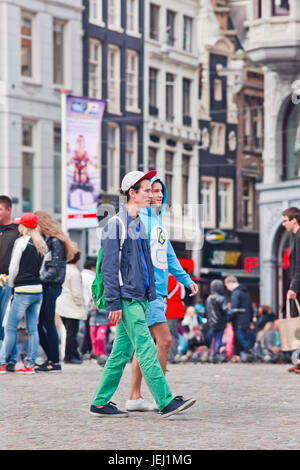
(217, 312)
(242, 313)
(291, 223)
(8, 235)
(129, 286)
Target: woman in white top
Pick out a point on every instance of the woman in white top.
(24, 278)
(70, 306)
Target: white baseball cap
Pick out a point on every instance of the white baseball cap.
(134, 177)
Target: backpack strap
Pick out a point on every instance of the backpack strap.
(122, 240)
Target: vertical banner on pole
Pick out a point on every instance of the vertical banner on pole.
(82, 173)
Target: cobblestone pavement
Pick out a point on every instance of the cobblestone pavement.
(239, 406)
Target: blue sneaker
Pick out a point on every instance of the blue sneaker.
(176, 405)
(108, 411)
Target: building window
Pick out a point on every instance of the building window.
(154, 22)
(27, 166)
(248, 203)
(114, 14)
(153, 74)
(26, 45)
(225, 193)
(57, 169)
(170, 83)
(258, 129)
(58, 52)
(152, 158)
(95, 11)
(247, 128)
(186, 101)
(131, 154)
(132, 16)
(280, 7)
(169, 156)
(171, 18)
(113, 92)
(208, 199)
(291, 135)
(132, 80)
(94, 69)
(113, 157)
(187, 34)
(218, 92)
(217, 138)
(185, 179)
(258, 9)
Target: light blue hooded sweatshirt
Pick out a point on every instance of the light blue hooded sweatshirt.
(163, 255)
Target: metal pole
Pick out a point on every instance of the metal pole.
(64, 201)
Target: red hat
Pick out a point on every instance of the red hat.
(29, 220)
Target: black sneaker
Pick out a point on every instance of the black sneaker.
(177, 404)
(11, 367)
(107, 411)
(48, 367)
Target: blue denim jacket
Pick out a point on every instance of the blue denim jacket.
(132, 270)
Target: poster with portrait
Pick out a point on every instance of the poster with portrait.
(83, 126)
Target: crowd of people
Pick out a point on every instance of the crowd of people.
(52, 315)
(218, 332)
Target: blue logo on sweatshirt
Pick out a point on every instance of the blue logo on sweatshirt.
(161, 236)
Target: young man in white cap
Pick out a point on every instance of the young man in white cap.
(129, 286)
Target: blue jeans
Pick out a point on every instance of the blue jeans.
(28, 305)
(5, 293)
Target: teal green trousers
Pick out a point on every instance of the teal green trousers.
(132, 334)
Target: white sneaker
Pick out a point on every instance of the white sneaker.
(141, 404)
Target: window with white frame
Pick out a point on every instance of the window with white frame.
(94, 68)
(131, 154)
(208, 199)
(258, 128)
(225, 193)
(132, 16)
(26, 44)
(186, 97)
(95, 11)
(57, 168)
(248, 203)
(187, 34)
(58, 52)
(217, 146)
(171, 28)
(132, 80)
(152, 158)
(185, 172)
(170, 86)
(113, 79)
(153, 74)
(113, 159)
(27, 166)
(114, 14)
(247, 127)
(218, 92)
(154, 22)
(280, 7)
(169, 174)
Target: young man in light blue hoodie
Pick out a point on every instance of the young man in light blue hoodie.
(164, 262)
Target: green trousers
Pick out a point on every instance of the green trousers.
(132, 334)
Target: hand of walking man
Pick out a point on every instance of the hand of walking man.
(194, 289)
(291, 294)
(115, 316)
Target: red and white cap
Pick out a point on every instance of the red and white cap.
(134, 177)
(29, 220)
